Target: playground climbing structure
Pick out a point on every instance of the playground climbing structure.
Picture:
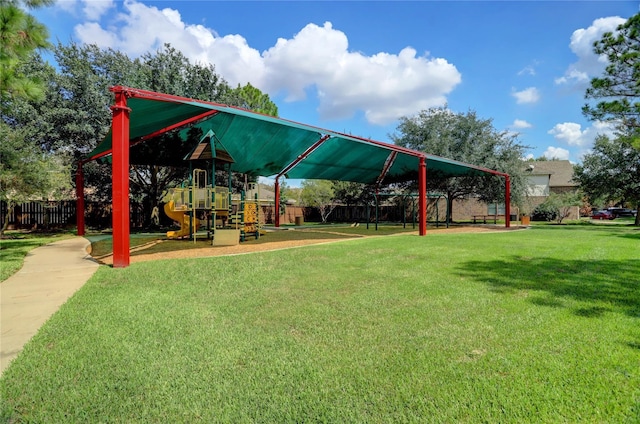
(199, 203)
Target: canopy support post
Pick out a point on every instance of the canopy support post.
(507, 201)
(376, 197)
(277, 203)
(422, 199)
(120, 178)
(80, 200)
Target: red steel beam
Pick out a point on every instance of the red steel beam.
(120, 179)
(303, 156)
(387, 166)
(80, 200)
(158, 132)
(174, 126)
(277, 203)
(507, 201)
(422, 196)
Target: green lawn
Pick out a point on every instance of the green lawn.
(541, 325)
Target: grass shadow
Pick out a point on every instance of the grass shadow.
(601, 285)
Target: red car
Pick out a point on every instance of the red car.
(602, 215)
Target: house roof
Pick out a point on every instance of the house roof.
(560, 172)
(262, 145)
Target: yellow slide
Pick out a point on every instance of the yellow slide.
(182, 218)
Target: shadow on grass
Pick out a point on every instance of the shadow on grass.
(601, 286)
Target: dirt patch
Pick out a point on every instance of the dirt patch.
(244, 248)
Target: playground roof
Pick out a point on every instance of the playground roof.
(262, 145)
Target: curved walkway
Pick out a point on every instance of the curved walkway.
(49, 276)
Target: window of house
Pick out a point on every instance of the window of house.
(495, 209)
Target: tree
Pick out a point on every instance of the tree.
(466, 138)
(284, 196)
(352, 193)
(75, 115)
(319, 194)
(20, 35)
(619, 85)
(26, 173)
(27, 170)
(558, 206)
(249, 97)
(611, 172)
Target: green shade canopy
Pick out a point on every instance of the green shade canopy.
(262, 145)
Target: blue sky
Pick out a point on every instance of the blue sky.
(358, 66)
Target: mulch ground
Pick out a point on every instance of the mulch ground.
(245, 248)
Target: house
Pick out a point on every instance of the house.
(546, 177)
(552, 176)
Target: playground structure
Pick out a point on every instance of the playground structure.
(227, 217)
(199, 203)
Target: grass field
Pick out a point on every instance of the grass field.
(540, 325)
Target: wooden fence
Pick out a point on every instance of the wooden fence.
(62, 214)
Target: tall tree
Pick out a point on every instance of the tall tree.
(611, 172)
(618, 88)
(353, 194)
(27, 170)
(26, 174)
(20, 35)
(75, 115)
(467, 138)
(319, 194)
(250, 97)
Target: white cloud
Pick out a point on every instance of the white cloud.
(528, 95)
(588, 64)
(67, 5)
(572, 134)
(93, 33)
(520, 124)
(384, 86)
(569, 133)
(94, 9)
(529, 69)
(556, 153)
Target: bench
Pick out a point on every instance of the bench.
(484, 218)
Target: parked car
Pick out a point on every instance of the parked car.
(604, 214)
(622, 212)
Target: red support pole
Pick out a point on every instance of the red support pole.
(277, 203)
(422, 199)
(80, 200)
(507, 201)
(120, 179)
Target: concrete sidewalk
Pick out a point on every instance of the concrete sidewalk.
(50, 275)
